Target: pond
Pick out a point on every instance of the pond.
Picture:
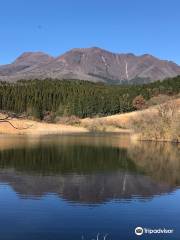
(89, 186)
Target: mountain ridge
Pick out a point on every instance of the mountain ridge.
(92, 64)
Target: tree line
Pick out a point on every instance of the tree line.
(79, 98)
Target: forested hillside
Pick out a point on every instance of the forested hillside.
(80, 98)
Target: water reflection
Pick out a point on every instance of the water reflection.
(90, 168)
(159, 160)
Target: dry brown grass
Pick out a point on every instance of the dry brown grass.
(68, 120)
(118, 122)
(159, 122)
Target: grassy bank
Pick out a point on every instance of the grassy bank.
(161, 124)
(156, 123)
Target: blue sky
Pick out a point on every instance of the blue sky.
(55, 26)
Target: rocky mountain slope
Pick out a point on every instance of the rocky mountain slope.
(93, 64)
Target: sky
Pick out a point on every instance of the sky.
(122, 26)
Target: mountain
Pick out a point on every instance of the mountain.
(93, 64)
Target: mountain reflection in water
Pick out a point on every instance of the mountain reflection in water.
(88, 169)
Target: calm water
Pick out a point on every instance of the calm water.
(74, 187)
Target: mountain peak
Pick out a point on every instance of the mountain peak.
(93, 64)
(32, 58)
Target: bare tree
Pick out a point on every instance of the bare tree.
(7, 119)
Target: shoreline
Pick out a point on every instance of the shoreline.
(38, 128)
(35, 128)
(52, 129)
